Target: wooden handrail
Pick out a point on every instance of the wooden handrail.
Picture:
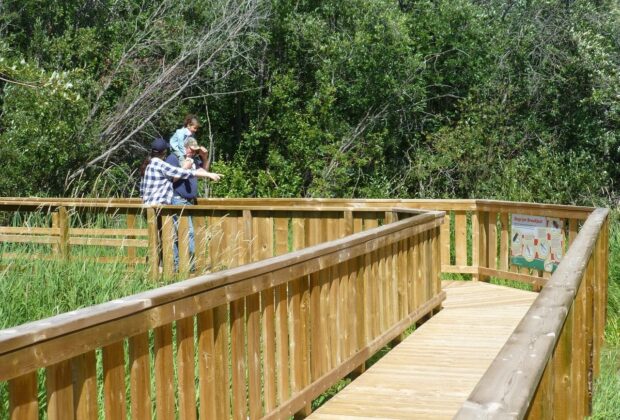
(314, 203)
(474, 248)
(508, 387)
(295, 323)
(310, 274)
(232, 282)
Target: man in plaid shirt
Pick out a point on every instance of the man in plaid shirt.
(157, 175)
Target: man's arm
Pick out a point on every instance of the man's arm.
(203, 153)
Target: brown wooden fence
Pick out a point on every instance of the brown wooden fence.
(301, 293)
(275, 333)
(547, 368)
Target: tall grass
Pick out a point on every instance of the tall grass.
(35, 289)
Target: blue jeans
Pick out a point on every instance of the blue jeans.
(181, 201)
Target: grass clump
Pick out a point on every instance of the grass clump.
(34, 289)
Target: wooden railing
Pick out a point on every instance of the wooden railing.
(548, 366)
(265, 337)
(60, 229)
(475, 237)
(299, 302)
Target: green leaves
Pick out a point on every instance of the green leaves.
(321, 98)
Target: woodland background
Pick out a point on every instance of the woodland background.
(510, 99)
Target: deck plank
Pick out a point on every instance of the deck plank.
(432, 372)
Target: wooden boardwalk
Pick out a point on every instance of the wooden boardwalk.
(433, 371)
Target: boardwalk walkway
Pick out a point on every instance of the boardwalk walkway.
(432, 372)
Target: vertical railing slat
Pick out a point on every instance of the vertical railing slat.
(200, 243)
(220, 358)
(167, 241)
(374, 286)
(114, 387)
(589, 344)
(300, 328)
(542, 404)
(64, 223)
(84, 369)
(164, 372)
(445, 239)
(263, 231)
(572, 230)
(238, 362)
(130, 220)
(323, 319)
(140, 376)
(312, 237)
(253, 328)
(460, 235)
(238, 331)
(154, 243)
(186, 368)
(492, 240)
(562, 370)
(59, 391)
(578, 365)
(183, 244)
(402, 288)
(206, 369)
(504, 244)
(214, 224)
(282, 334)
(333, 285)
(23, 401)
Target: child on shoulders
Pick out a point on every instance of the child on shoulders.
(177, 141)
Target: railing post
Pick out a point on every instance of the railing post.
(445, 239)
(480, 242)
(131, 250)
(63, 239)
(154, 245)
(55, 248)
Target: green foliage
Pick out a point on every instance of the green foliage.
(39, 120)
(331, 98)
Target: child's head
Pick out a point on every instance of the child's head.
(191, 123)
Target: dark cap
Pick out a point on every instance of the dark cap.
(159, 145)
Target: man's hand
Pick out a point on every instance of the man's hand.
(214, 177)
(187, 163)
(201, 173)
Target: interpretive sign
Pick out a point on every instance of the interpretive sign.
(537, 242)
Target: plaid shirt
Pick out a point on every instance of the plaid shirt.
(156, 186)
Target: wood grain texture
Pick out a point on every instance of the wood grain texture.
(23, 402)
(59, 391)
(186, 368)
(140, 376)
(114, 387)
(164, 373)
(514, 375)
(460, 234)
(84, 369)
(206, 369)
(431, 373)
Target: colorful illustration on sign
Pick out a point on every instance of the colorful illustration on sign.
(536, 242)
